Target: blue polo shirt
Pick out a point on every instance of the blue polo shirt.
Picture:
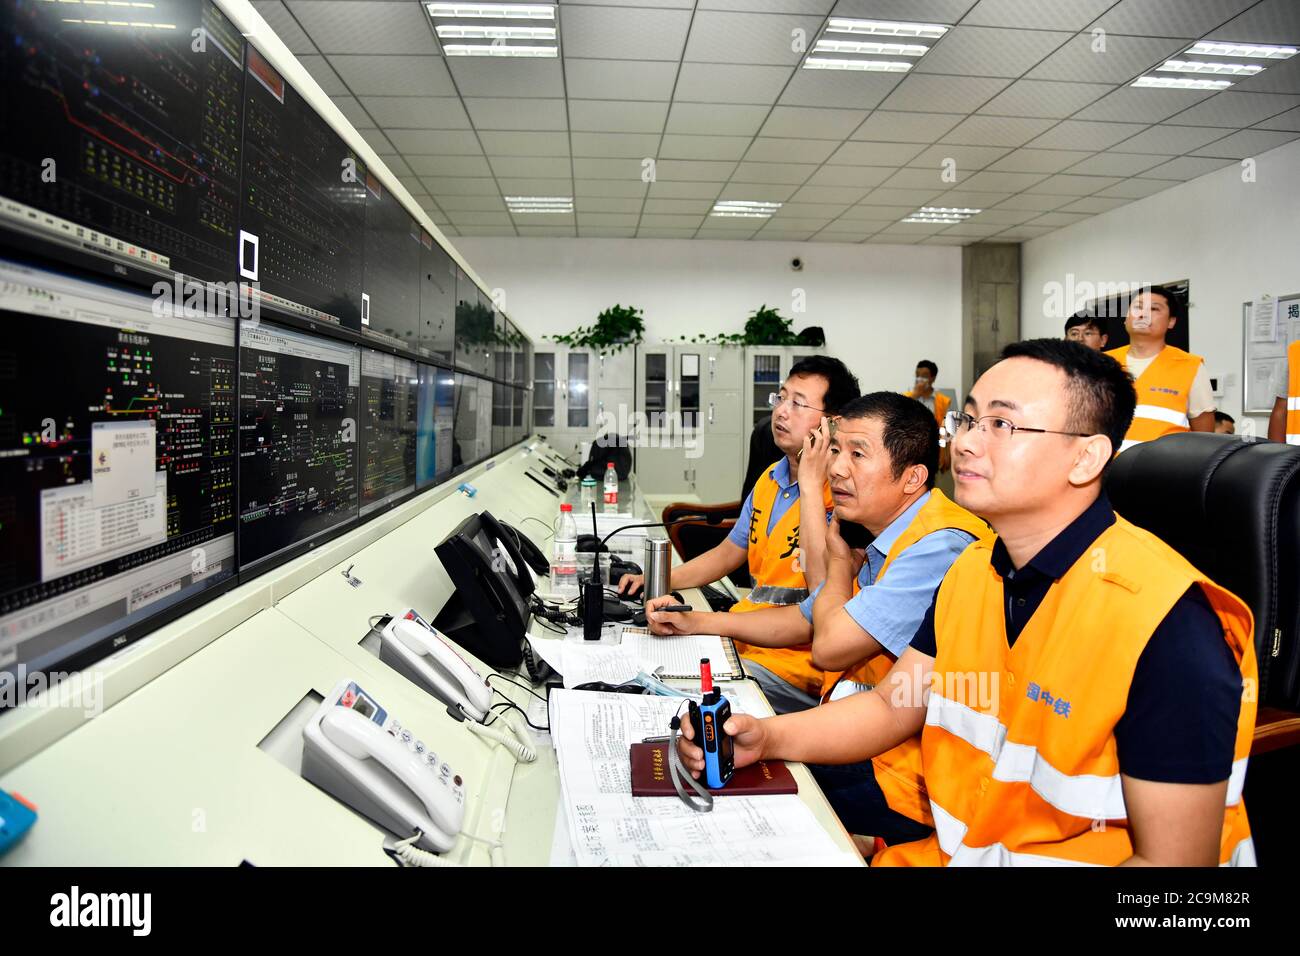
(891, 610)
(1181, 722)
(787, 495)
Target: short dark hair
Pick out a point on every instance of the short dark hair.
(934, 369)
(1087, 319)
(1177, 308)
(910, 432)
(841, 384)
(1101, 392)
(1220, 417)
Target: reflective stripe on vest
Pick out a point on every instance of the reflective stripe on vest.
(1163, 391)
(1085, 795)
(776, 572)
(779, 597)
(1023, 773)
(1293, 393)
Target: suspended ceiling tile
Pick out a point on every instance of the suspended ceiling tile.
(507, 76)
(988, 51)
(623, 32)
(1076, 134)
(619, 79)
(1045, 99)
(719, 36)
(371, 75)
(1123, 58)
(886, 126)
(376, 27)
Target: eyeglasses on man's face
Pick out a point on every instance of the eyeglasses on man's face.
(997, 428)
(776, 401)
(1078, 334)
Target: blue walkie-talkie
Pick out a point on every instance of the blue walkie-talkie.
(708, 718)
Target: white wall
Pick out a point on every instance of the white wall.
(883, 307)
(1233, 240)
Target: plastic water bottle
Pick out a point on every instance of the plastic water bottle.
(564, 558)
(611, 489)
(588, 496)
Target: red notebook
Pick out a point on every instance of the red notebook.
(651, 778)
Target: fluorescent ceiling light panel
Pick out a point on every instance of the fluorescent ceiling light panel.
(477, 32)
(871, 46)
(744, 209)
(492, 11)
(888, 28)
(1180, 83)
(830, 45)
(494, 29)
(943, 215)
(840, 63)
(496, 49)
(1239, 59)
(1252, 51)
(1220, 69)
(551, 204)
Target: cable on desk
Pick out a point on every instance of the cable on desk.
(512, 705)
(515, 682)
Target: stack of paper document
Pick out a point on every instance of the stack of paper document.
(610, 827)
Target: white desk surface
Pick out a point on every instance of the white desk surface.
(173, 773)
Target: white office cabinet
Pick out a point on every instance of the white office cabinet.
(562, 400)
(573, 387)
(689, 401)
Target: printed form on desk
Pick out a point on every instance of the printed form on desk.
(617, 658)
(610, 827)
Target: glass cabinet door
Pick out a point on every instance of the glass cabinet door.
(688, 385)
(543, 389)
(765, 379)
(578, 392)
(655, 387)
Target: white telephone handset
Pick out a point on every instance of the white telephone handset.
(437, 667)
(415, 649)
(356, 751)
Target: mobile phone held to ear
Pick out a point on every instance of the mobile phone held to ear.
(854, 535)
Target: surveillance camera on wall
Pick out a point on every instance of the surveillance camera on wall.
(796, 264)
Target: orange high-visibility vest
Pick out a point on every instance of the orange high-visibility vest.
(898, 771)
(775, 568)
(1293, 393)
(1163, 391)
(941, 403)
(1019, 749)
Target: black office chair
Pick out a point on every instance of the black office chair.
(1232, 508)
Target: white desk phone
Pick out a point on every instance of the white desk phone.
(354, 749)
(415, 649)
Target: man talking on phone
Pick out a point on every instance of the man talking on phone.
(884, 451)
(781, 531)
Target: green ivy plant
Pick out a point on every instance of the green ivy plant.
(614, 329)
(763, 327)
